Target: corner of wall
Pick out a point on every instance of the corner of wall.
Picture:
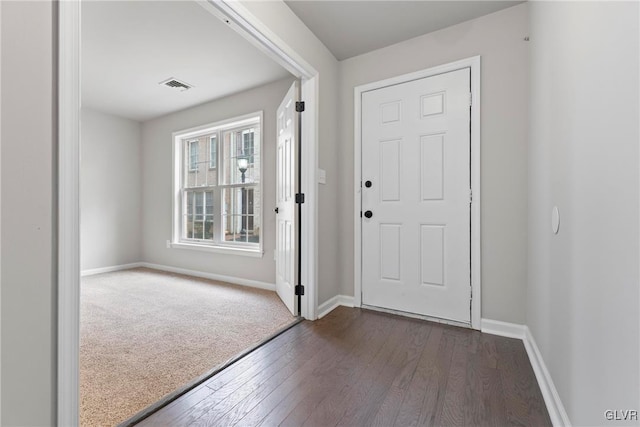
(552, 400)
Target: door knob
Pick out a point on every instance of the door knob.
(368, 184)
(276, 210)
(368, 214)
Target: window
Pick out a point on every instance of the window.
(218, 195)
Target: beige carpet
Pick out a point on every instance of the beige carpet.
(145, 333)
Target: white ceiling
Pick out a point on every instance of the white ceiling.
(353, 27)
(128, 47)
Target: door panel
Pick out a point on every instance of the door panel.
(285, 201)
(432, 254)
(432, 167)
(390, 160)
(416, 152)
(390, 251)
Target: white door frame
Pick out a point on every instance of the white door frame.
(474, 64)
(68, 250)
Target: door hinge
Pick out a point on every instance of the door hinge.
(299, 289)
(299, 106)
(300, 198)
(470, 196)
(470, 99)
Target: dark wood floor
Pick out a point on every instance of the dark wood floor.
(362, 368)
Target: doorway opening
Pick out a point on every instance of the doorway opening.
(237, 224)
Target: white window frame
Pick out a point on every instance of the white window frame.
(217, 245)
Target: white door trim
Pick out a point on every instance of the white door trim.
(474, 64)
(0, 222)
(256, 32)
(68, 213)
(68, 27)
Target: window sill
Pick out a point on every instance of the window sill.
(255, 253)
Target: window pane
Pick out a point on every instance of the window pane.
(209, 202)
(198, 215)
(188, 217)
(194, 175)
(213, 152)
(241, 215)
(199, 206)
(190, 196)
(208, 227)
(247, 145)
(193, 155)
(199, 171)
(241, 156)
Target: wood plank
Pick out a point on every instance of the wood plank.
(277, 372)
(523, 399)
(343, 378)
(182, 416)
(486, 349)
(334, 345)
(454, 398)
(484, 402)
(361, 368)
(183, 403)
(250, 401)
(328, 410)
(369, 340)
(426, 392)
(171, 412)
(224, 387)
(368, 395)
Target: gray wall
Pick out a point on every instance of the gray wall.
(157, 183)
(498, 38)
(28, 215)
(582, 293)
(110, 190)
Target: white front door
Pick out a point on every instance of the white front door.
(416, 197)
(285, 198)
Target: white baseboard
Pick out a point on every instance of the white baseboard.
(202, 274)
(328, 306)
(92, 271)
(212, 276)
(503, 329)
(551, 397)
(555, 407)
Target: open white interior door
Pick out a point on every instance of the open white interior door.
(285, 198)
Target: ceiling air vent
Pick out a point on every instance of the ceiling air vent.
(176, 84)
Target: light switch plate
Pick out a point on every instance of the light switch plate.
(322, 176)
